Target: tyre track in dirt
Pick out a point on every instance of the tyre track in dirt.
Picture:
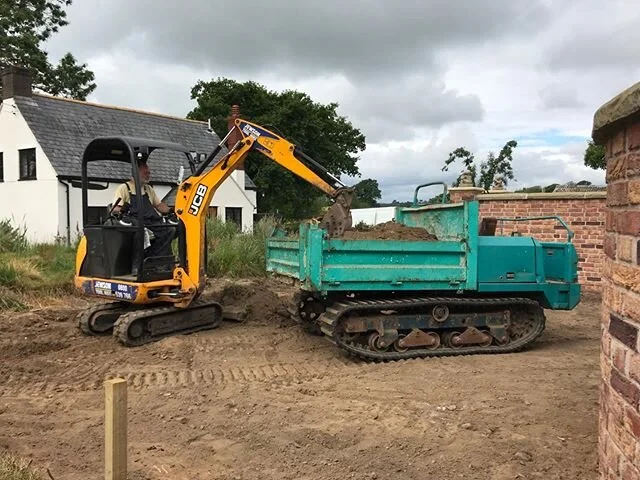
(277, 373)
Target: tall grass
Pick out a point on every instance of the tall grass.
(27, 267)
(48, 269)
(12, 468)
(233, 253)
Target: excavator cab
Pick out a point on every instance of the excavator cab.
(117, 247)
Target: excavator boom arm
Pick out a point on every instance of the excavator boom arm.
(195, 193)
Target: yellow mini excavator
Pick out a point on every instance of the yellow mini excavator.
(154, 296)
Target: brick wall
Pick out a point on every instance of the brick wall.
(584, 213)
(617, 126)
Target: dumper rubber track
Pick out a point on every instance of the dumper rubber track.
(405, 328)
(139, 327)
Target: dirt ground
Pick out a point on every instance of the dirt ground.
(263, 400)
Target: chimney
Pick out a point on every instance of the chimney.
(235, 136)
(16, 82)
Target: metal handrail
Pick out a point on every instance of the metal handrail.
(415, 194)
(570, 234)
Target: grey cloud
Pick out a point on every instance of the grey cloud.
(400, 109)
(359, 37)
(592, 35)
(560, 96)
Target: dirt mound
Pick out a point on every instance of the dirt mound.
(261, 305)
(388, 231)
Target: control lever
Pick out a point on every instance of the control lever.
(114, 206)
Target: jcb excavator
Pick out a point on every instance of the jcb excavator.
(159, 295)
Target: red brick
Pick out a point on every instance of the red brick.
(616, 408)
(610, 245)
(631, 308)
(613, 457)
(633, 191)
(623, 331)
(619, 355)
(617, 193)
(629, 391)
(623, 439)
(632, 421)
(605, 344)
(632, 165)
(633, 367)
(630, 472)
(616, 168)
(623, 275)
(618, 145)
(625, 245)
(633, 136)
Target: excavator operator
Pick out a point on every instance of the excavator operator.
(152, 208)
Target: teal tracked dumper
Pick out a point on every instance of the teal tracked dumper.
(468, 292)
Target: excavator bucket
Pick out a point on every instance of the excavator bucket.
(338, 218)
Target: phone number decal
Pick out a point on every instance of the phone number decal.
(115, 290)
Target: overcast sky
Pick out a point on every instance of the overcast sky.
(419, 78)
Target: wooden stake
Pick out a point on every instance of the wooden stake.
(115, 432)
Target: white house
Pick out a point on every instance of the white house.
(42, 139)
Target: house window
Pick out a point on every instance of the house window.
(1, 167)
(28, 164)
(233, 214)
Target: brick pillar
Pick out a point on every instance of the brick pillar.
(616, 126)
(235, 136)
(458, 194)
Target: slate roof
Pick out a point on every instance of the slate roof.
(64, 127)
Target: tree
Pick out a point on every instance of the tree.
(594, 156)
(24, 26)
(467, 160)
(316, 128)
(367, 194)
(494, 166)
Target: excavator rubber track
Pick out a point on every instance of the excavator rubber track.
(406, 328)
(147, 325)
(100, 319)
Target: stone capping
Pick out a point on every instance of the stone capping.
(610, 116)
(542, 196)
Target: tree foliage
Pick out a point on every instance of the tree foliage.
(24, 26)
(493, 167)
(594, 156)
(317, 129)
(367, 194)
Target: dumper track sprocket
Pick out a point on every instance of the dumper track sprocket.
(152, 324)
(405, 328)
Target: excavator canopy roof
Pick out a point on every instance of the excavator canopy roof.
(124, 149)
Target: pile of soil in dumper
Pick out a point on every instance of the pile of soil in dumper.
(388, 231)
